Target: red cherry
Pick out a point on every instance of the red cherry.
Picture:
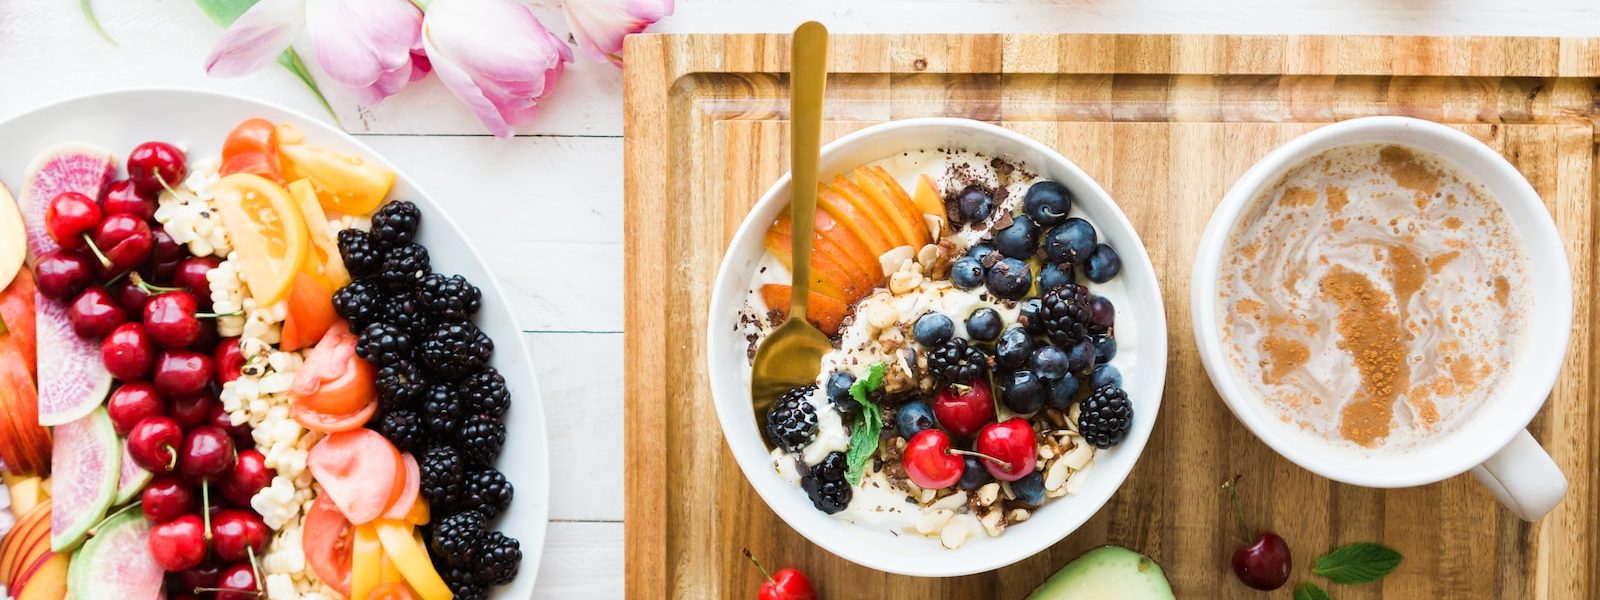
(963, 410)
(165, 255)
(207, 454)
(182, 373)
(153, 444)
(1010, 442)
(62, 274)
(130, 404)
(69, 216)
(249, 476)
(178, 544)
(125, 240)
(201, 576)
(192, 411)
(1265, 564)
(238, 582)
(787, 584)
(153, 164)
(233, 531)
(928, 460)
(166, 498)
(191, 274)
(228, 360)
(240, 433)
(124, 198)
(94, 313)
(127, 352)
(171, 319)
(130, 295)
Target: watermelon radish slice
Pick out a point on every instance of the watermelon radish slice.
(86, 462)
(69, 167)
(72, 378)
(116, 562)
(131, 480)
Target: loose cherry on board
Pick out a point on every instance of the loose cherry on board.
(94, 313)
(1263, 564)
(63, 274)
(787, 584)
(1009, 448)
(153, 166)
(153, 444)
(128, 353)
(124, 198)
(69, 216)
(178, 544)
(132, 403)
(125, 241)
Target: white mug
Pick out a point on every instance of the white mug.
(1492, 441)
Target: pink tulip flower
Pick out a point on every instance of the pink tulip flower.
(373, 47)
(496, 58)
(600, 25)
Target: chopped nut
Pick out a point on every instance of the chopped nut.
(1045, 453)
(951, 502)
(933, 521)
(1079, 456)
(1072, 415)
(1056, 493)
(993, 523)
(1056, 475)
(988, 493)
(894, 257)
(904, 282)
(1006, 488)
(1018, 515)
(927, 256)
(928, 495)
(1078, 479)
(954, 534)
(880, 315)
(911, 488)
(1055, 418)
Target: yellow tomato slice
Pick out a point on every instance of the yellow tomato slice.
(412, 558)
(267, 230)
(344, 184)
(387, 571)
(366, 556)
(322, 257)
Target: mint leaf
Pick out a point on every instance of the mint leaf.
(1362, 562)
(1310, 591)
(864, 435)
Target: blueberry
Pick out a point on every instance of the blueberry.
(1019, 240)
(1105, 348)
(967, 273)
(1047, 202)
(1103, 264)
(980, 250)
(984, 325)
(913, 418)
(973, 475)
(1014, 348)
(1028, 315)
(1102, 313)
(1024, 393)
(1063, 393)
(1071, 242)
(1030, 489)
(839, 393)
(1050, 363)
(1010, 279)
(1105, 375)
(973, 204)
(1052, 277)
(933, 330)
(1080, 358)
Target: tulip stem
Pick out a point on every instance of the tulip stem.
(422, 4)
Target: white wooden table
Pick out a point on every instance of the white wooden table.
(566, 281)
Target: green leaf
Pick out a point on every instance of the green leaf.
(291, 61)
(1362, 562)
(225, 12)
(1310, 591)
(864, 435)
(88, 13)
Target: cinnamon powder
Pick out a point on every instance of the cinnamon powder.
(1372, 335)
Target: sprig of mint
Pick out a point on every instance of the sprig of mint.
(864, 435)
(1310, 591)
(1362, 562)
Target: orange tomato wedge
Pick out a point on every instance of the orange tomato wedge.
(357, 469)
(344, 184)
(333, 380)
(323, 262)
(412, 558)
(391, 591)
(326, 539)
(267, 229)
(365, 562)
(406, 488)
(252, 147)
(310, 315)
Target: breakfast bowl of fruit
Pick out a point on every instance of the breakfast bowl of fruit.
(998, 349)
(252, 360)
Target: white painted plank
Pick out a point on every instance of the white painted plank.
(581, 561)
(580, 379)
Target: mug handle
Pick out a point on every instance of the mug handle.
(1523, 477)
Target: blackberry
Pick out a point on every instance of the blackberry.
(441, 410)
(1106, 416)
(360, 303)
(404, 266)
(451, 297)
(488, 492)
(403, 428)
(468, 591)
(824, 483)
(405, 311)
(1064, 314)
(396, 223)
(456, 537)
(485, 392)
(399, 384)
(442, 475)
(480, 439)
(383, 344)
(455, 349)
(957, 362)
(499, 557)
(360, 253)
(792, 421)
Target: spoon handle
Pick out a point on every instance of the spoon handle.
(808, 74)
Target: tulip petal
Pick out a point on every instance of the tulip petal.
(601, 25)
(366, 45)
(496, 57)
(256, 38)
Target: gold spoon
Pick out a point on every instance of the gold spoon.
(791, 356)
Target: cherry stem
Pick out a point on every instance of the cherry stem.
(757, 563)
(255, 568)
(205, 505)
(150, 288)
(163, 181)
(172, 463)
(1232, 485)
(1003, 464)
(104, 262)
(218, 315)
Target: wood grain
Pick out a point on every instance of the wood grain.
(1165, 123)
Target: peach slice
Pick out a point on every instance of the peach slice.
(878, 213)
(905, 218)
(848, 246)
(777, 242)
(828, 259)
(824, 312)
(928, 199)
(863, 223)
(908, 206)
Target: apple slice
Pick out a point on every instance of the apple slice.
(898, 199)
(47, 580)
(824, 312)
(826, 261)
(863, 223)
(13, 238)
(930, 201)
(30, 537)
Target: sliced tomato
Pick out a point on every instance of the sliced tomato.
(333, 381)
(357, 469)
(311, 314)
(326, 423)
(251, 136)
(253, 163)
(327, 538)
(405, 491)
(345, 184)
(391, 591)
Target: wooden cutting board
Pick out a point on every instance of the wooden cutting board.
(1166, 124)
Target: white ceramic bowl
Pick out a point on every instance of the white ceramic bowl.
(1142, 358)
(200, 120)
